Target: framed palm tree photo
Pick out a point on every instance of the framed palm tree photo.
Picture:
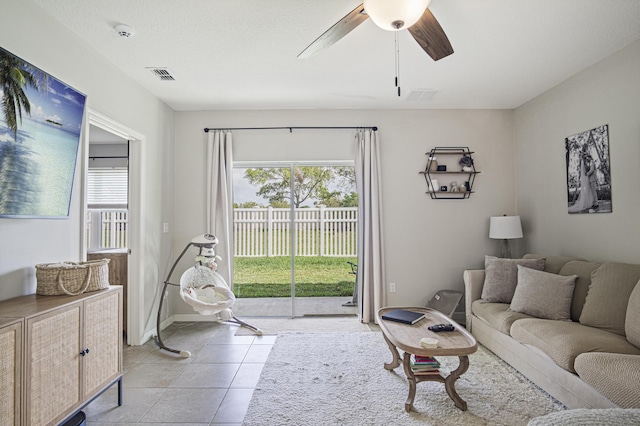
(589, 171)
(40, 125)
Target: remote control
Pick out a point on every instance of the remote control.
(437, 328)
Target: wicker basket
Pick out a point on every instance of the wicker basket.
(72, 278)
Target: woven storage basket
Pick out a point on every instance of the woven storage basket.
(72, 278)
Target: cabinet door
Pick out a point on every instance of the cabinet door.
(10, 373)
(102, 363)
(53, 365)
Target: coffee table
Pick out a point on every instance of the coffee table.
(407, 337)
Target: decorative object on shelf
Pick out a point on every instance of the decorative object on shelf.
(433, 164)
(467, 163)
(588, 171)
(434, 167)
(505, 228)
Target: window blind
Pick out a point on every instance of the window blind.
(107, 187)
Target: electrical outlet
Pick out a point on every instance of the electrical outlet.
(165, 228)
(392, 287)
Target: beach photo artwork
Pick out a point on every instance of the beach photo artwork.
(40, 126)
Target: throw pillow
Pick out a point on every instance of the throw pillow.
(632, 324)
(608, 296)
(583, 270)
(501, 277)
(543, 295)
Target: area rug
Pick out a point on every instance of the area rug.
(273, 326)
(339, 379)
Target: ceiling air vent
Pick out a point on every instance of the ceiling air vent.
(422, 95)
(162, 73)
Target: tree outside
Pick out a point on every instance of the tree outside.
(330, 186)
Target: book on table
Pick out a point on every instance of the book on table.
(403, 316)
(424, 365)
(424, 360)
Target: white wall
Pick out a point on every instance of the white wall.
(606, 93)
(428, 242)
(28, 32)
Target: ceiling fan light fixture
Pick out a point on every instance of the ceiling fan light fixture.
(395, 15)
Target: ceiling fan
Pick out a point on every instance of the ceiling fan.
(391, 15)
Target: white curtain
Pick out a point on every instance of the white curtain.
(220, 198)
(371, 276)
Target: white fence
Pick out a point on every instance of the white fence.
(258, 232)
(107, 228)
(322, 231)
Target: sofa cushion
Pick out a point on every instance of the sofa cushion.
(501, 277)
(583, 270)
(552, 264)
(608, 296)
(543, 295)
(497, 315)
(632, 322)
(616, 376)
(563, 341)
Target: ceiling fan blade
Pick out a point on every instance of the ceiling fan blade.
(431, 37)
(336, 32)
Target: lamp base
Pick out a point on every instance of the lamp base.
(505, 250)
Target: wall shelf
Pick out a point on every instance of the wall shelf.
(431, 174)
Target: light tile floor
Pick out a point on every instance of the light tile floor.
(212, 387)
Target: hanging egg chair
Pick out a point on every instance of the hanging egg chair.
(202, 288)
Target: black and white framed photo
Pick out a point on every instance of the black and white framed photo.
(589, 171)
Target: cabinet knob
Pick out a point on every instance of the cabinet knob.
(84, 352)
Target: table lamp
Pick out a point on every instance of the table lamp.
(505, 228)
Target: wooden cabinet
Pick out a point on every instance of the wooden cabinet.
(72, 351)
(10, 370)
(444, 163)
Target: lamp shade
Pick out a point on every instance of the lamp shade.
(394, 15)
(505, 227)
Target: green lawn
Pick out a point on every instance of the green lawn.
(315, 276)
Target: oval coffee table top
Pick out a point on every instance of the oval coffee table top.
(407, 336)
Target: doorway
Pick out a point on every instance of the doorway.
(107, 206)
(133, 294)
(295, 227)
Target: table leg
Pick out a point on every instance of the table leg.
(450, 381)
(411, 378)
(394, 352)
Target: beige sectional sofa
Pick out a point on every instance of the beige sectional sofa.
(571, 326)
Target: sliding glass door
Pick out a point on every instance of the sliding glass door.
(295, 239)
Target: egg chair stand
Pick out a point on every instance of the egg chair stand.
(202, 288)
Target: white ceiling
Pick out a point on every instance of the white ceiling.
(242, 54)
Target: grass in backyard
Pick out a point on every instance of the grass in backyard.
(315, 276)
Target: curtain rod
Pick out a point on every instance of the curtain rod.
(290, 128)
